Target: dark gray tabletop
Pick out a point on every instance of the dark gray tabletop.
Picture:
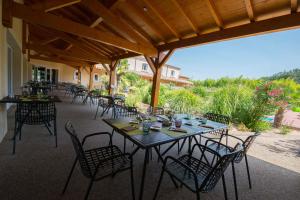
(164, 135)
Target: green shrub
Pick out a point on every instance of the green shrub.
(284, 130)
(261, 126)
(296, 109)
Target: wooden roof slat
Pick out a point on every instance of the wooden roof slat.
(260, 27)
(250, 12)
(53, 4)
(58, 60)
(73, 55)
(141, 16)
(294, 6)
(96, 22)
(158, 13)
(186, 17)
(212, 7)
(114, 21)
(68, 26)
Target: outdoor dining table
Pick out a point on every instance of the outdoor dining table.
(155, 138)
(29, 99)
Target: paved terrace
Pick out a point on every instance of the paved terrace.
(39, 170)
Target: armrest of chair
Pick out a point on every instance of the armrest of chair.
(96, 134)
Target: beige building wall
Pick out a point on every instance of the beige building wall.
(16, 32)
(67, 73)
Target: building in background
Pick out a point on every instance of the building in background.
(170, 74)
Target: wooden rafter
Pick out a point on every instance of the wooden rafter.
(68, 26)
(47, 41)
(212, 8)
(249, 7)
(58, 60)
(53, 4)
(186, 17)
(72, 55)
(114, 22)
(96, 22)
(260, 27)
(294, 5)
(105, 67)
(141, 15)
(161, 18)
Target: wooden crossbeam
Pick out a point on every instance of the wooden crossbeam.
(162, 19)
(185, 16)
(96, 22)
(294, 5)
(69, 54)
(259, 27)
(249, 7)
(68, 26)
(114, 21)
(141, 15)
(58, 60)
(212, 8)
(50, 5)
(50, 40)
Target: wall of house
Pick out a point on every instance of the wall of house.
(67, 73)
(12, 37)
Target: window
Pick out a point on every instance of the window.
(172, 73)
(145, 67)
(76, 74)
(96, 77)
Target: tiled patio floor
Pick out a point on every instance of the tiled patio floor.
(38, 170)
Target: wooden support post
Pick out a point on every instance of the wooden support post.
(7, 9)
(156, 64)
(79, 75)
(113, 76)
(91, 80)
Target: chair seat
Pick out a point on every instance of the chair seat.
(200, 168)
(221, 149)
(110, 160)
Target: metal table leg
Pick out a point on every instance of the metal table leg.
(144, 174)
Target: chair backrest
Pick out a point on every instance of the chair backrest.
(156, 110)
(217, 118)
(218, 168)
(123, 111)
(78, 149)
(246, 145)
(35, 113)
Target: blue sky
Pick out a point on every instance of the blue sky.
(251, 57)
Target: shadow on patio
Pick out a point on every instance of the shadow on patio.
(38, 170)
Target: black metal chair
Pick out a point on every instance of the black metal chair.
(198, 175)
(79, 92)
(216, 134)
(223, 149)
(34, 113)
(105, 104)
(98, 163)
(156, 110)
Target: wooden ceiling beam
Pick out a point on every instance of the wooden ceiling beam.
(49, 5)
(213, 10)
(70, 54)
(294, 6)
(96, 22)
(161, 18)
(257, 28)
(115, 22)
(131, 5)
(47, 41)
(186, 17)
(58, 23)
(250, 12)
(58, 60)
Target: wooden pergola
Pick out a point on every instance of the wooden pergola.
(87, 32)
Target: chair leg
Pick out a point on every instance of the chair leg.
(132, 180)
(55, 132)
(248, 172)
(234, 181)
(158, 185)
(124, 148)
(96, 112)
(69, 176)
(224, 187)
(174, 181)
(14, 138)
(198, 195)
(89, 189)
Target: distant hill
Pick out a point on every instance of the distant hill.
(292, 74)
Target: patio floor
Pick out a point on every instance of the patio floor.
(39, 170)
